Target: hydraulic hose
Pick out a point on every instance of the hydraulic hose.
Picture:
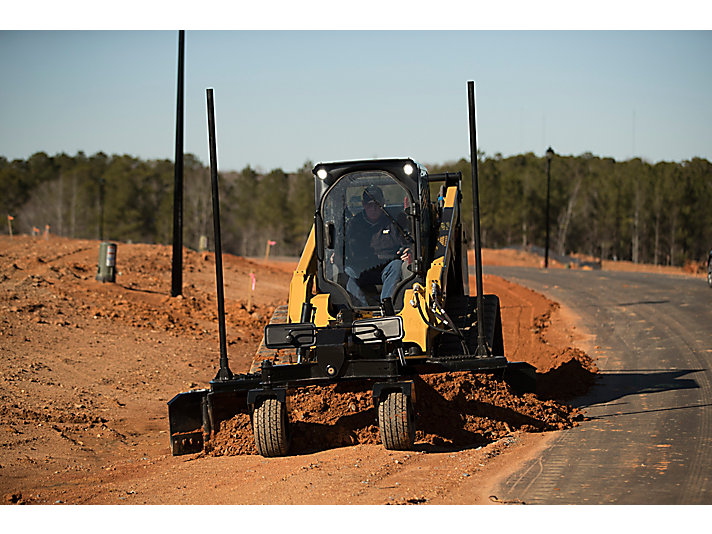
(454, 331)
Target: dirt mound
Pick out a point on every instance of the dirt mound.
(452, 410)
(695, 267)
(139, 298)
(571, 378)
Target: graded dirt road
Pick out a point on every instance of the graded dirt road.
(649, 437)
(86, 370)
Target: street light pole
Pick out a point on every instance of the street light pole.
(549, 155)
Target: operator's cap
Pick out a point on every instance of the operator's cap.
(373, 192)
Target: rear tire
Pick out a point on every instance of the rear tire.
(270, 427)
(709, 272)
(396, 422)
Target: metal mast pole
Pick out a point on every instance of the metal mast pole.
(101, 208)
(482, 348)
(177, 264)
(224, 373)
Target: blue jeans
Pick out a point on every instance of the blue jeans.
(389, 277)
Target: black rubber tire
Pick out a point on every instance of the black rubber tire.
(396, 421)
(709, 272)
(270, 428)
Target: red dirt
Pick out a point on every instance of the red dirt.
(86, 369)
(453, 410)
(523, 258)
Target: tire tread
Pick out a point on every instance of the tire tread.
(395, 421)
(269, 426)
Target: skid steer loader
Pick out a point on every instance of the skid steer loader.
(340, 325)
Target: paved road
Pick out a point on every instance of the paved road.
(649, 440)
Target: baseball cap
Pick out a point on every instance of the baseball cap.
(373, 192)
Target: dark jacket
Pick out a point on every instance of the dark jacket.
(371, 244)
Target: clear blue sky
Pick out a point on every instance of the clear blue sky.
(285, 97)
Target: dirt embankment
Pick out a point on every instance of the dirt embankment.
(524, 258)
(86, 370)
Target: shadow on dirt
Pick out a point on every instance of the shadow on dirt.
(141, 290)
(310, 437)
(639, 302)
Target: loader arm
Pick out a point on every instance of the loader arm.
(300, 287)
(448, 270)
(450, 306)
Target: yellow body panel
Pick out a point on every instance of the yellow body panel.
(300, 288)
(450, 196)
(321, 310)
(433, 275)
(416, 331)
(301, 285)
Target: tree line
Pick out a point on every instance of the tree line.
(629, 210)
(123, 198)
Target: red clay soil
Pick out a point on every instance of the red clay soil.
(453, 411)
(86, 369)
(512, 257)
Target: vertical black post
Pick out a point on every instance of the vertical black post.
(482, 348)
(101, 209)
(549, 155)
(224, 373)
(177, 265)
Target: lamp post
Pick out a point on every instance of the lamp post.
(549, 155)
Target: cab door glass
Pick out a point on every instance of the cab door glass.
(365, 228)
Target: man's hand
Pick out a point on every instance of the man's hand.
(406, 255)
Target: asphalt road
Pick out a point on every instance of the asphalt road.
(649, 440)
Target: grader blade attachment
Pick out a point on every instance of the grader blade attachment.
(185, 418)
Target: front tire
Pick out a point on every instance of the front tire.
(709, 272)
(270, 427)
(396, 421)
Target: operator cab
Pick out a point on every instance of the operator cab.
(368, 230)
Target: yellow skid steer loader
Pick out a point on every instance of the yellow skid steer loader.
(381, 293)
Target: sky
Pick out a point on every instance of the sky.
(287, 97)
